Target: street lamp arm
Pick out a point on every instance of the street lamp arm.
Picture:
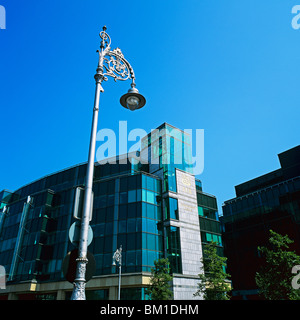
(117, 66)
(112, 62)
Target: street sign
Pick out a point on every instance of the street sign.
(70, 263)
(74, 234)
(78, 204)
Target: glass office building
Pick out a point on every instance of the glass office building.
(153, 209)
(271, 201)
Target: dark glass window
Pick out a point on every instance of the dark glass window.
(172, 209)
(123, 212)
(132, 210)
(173, 249)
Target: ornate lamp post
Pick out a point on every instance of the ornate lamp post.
(117, 257)
(111, 63)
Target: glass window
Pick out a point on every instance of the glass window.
(151, 211)
(111, 186)
(123, 212)
(107, 260)
(144, 181)
(144, 195)
(144, 225)
(130, 258)
(99, 243)
(97, 294)
(159, 243)
(151, 226)
(109, 214)
(150, 183)
(215, 238)
(132, 196)
(123, 197)
(108, 244)
(158, 213)
(151, 241)
(122, 240)
(144, 258)
(123, 184)
(144, 239)
(158, 186)
(108, 228)
(132, 210)
(139, 195)
(110, 200)
(122, 226)
(132, 182)
(138, 225)
(131, 241)
(173, 208)
(152, 256)
(131, 225)
(208, 237)
(99, 230)
(200, 211)
(151, 197)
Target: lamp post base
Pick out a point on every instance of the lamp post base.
(79, 283)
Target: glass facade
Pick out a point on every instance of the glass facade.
(173, 249)
(169, 148)
(135, 206)
(210, 225)
(127, 213)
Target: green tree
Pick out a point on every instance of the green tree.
(159, 288)
(213, 283)
(275, 276)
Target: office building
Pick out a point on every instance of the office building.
(153, 209)
(271, 201)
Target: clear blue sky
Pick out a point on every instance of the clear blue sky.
(230, 67)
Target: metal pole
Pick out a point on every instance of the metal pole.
(79, 282)
(120, 267)
(118, 67)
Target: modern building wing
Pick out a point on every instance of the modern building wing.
(271, 201)
(150, 204)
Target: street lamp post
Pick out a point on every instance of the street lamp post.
(117, 257)
(111, 63)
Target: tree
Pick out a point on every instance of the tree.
(275, 277)
(213, 283)
(159, 288)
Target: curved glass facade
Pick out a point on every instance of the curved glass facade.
(148, 209)
(125, 212)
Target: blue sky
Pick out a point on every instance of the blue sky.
(230, 67)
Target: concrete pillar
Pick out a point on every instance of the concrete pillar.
(61, 295)
(113, 293)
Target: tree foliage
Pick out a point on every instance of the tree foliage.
(275, 277)
(213, 283)
(159, 288)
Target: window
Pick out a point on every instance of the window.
(173, 249)
(132, 196)
(131, 225)
(149, 196)
(172, 209)
(123, 212)
(208, 237)
(123, 197)
(122, 226)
